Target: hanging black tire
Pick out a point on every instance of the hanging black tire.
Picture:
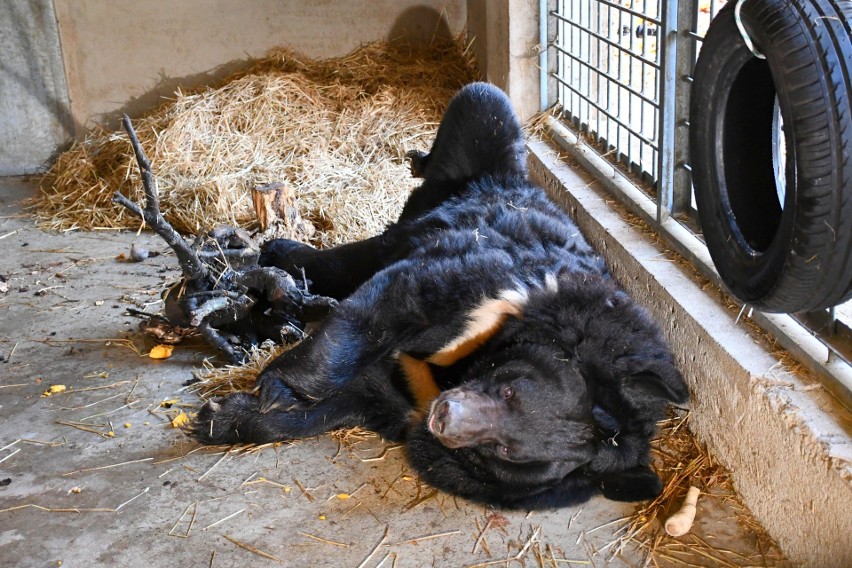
(780, 247)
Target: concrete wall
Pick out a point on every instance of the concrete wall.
(506, 44)
(34, 117)
(126, 55)
(123, 56)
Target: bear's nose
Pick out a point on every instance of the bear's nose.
(447, 411)
(452, 417)
(461, 418)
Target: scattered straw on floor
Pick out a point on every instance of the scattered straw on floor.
(683, 462)
(335, 131)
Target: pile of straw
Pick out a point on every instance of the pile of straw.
(335, 131)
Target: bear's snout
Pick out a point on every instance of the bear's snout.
(461, 418)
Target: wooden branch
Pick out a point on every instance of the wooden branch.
(214, 338)
(192, 266)
(224, 294)
(207, 308)
(274, 283)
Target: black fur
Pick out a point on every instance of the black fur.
(558, 401)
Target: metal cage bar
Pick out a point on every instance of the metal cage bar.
(608, 76)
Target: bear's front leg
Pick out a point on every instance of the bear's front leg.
(237, 418)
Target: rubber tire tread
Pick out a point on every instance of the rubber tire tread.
(808, 264)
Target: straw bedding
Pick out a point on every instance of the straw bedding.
(334, 131)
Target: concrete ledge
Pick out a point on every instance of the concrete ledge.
(785, 440)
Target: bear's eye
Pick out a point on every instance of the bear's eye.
(503, 450)
(507, 392)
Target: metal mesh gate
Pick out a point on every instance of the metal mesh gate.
(616, 83)
(621, 78)
(608, 77)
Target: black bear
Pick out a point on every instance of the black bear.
(481, 329)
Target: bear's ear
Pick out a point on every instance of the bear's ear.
(663, 382)
(635, 484)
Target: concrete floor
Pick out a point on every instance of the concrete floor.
(72, 494)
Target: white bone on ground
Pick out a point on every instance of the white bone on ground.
(680, 523)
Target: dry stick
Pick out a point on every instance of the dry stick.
(481, 535)
(252, 549)
(486, 548)
(723, 550)
(42, 442)
(220, 521)
(381, 456)
(108, 412)
(573, 518)
(190, 452)
(305, 491)
(529, 542)
(91, 404)
(74, 509)
(392, 483)
(144, 491)
(388, 555)
(106, 466)
(188, 260)
(350, 509)
(10, 455)
(102, 387)
(590, 531)
(214, 338)
(182, 515)
(267, 481)
(51, 510)
(83, 428)
(717, 560)
(427, 537)
(207, 308)
(249, 478)
(419, 501)
(107, 340)
(375, 548)
(203, 475)
(323, 540)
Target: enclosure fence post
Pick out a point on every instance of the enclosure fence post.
(687, 53)
(543, 74)
(667, 44)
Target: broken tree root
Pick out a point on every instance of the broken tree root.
(224, 294)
